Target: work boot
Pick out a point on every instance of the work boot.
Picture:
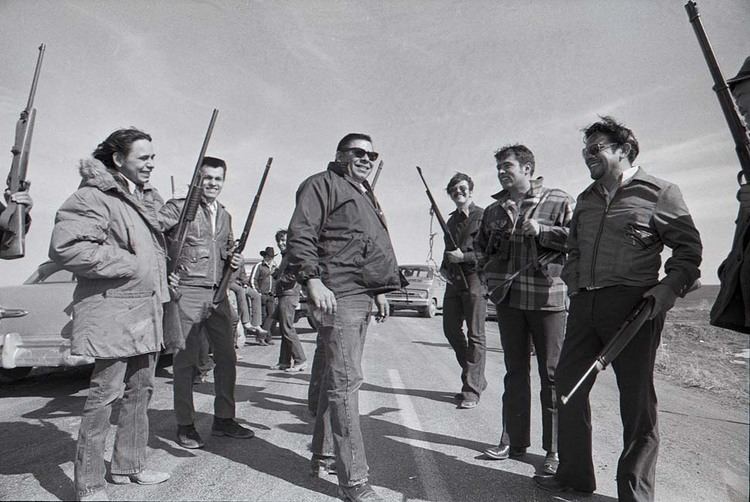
(358, 493)
(145, 477)
(320, 465)
(230, 427)
(551, 462)
(188, 437)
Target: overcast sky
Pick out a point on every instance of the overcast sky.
(438, 84)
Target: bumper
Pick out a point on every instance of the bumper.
(41, 350)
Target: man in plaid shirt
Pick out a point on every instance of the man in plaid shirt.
(520, 248)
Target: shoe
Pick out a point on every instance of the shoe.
(504, 451)
(551, 462)
(188, 437)
(145, 477)
(297, 367)
(362, 492)
(468, 404)
(321, 465)
(269, 341)
(282, 367)
(458, 396)
(100, 495)
(260, 340)
(230, 427)
(552, 485)
(260, 331)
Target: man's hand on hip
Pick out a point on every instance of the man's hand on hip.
(320, 296)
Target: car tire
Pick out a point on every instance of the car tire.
(430, 310)
(10, 375)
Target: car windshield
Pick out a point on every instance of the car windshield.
(417, 273)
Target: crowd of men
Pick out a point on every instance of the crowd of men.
(563, 273)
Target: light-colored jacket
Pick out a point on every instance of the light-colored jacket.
(112, 243)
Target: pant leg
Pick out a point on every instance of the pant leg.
(105, 387)
(634, 370)
(316, 376)
(286, 327)
(547, 332)
(242, 309)
(453, 321)
(129, 454)
(475, 312)
(255, 306)
(514, 338)
(579, 350)
(343, 338)
(285, 347)
(218, 328)
(268, 309)
(317, 402)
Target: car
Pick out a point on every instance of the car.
(424, 293)
(41, 337)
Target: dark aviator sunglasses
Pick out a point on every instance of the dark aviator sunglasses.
(361, 152)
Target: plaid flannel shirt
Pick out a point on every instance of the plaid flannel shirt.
(501, 249)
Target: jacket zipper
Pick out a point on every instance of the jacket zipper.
(599, 235)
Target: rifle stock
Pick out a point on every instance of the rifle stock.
(13, 218)
(443, 225)
(377, 175)
(736, 127)
(227, 272)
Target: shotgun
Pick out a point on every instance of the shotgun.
(444, 226)
(227, 272)
(13, 218)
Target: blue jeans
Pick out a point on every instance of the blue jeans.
(136, 374)
(291, 350)
(337, 430)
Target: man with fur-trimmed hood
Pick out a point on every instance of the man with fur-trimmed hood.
(107, 234)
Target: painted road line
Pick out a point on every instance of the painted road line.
(429, 474)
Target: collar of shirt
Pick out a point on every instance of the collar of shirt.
(628, 174)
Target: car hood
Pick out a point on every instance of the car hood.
(47, 306)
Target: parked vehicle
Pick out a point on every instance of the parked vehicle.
(424, 293)
(42, 336)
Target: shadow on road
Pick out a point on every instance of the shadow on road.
(447, 346)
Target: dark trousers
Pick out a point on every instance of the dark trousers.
(268, 305)
(595, 316)
(468, 306)
(291, 348)
(199, 320)
(518, 328)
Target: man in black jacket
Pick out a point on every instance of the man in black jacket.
(338, 244)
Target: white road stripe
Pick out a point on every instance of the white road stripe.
(429, 474)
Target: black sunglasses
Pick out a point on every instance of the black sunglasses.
(592, 150)
(361, 152)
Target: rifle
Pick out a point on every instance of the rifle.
(497, 294)
(377, 175)
(174, 337)
(738, 130)
(627, 331)
(444, 226)
(13, 218)
(227, 272)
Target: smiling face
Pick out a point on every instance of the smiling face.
(357, 154)
(137, 165)
(511, 174)
(213, 182)
(601, 155)
(460, 193)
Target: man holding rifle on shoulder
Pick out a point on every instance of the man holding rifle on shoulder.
(521, 244)
(620, 226)
(108, 235)
(208, 244)
(464, 301)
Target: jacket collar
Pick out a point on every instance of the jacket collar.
(536, 188)
(473, 208)
(640, 176)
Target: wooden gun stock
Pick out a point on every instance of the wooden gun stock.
(13, 218)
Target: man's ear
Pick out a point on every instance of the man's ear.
(526, 169)
(626, 149)
(339, 157)
(118, 159)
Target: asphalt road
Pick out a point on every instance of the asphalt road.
(419, 446)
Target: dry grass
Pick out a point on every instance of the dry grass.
(695, 354)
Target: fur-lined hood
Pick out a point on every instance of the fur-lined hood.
(95, 174)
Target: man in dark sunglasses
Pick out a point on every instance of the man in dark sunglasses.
(620, 226)
(339, 247)
(464, 300)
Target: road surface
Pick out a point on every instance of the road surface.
(419, 446)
